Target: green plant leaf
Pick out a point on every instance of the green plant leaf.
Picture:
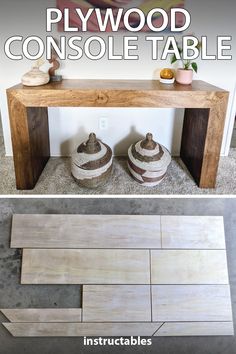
(195, 67)
(173, 59)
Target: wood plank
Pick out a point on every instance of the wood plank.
(118, 93)
(116, 303)
(193, 232)
(193, 140)
(142, 85)
(81, 329)
(196, 329)
(213, 142)
(30, 141)
(43, 315)
(85, 266)
(191, 303)
(85, 231)
(189, 267)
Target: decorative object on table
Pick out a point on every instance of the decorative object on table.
(35, 77)
(184, 75)
(148, 161)
(55, 66)
(91, 163)
(167, 76)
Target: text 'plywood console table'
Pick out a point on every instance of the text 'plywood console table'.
(205, 109)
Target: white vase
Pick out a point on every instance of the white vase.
(35, 77)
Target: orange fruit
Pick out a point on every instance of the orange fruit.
(167, 73)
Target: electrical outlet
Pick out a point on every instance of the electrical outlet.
(103, 123)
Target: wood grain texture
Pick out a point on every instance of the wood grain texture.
(118, 93)
(196, 232)
(30, 141)
(177, 329)
(81, 329)
(191, 303)
(188, 267)
(213, 142)
(43, 315)
(85, 231)
(42, 266)
(116, 303)
(193, 140)
(201, 141)
(201, 154)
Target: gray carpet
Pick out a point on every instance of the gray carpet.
(56, 179)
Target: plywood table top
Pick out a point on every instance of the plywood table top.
(117, 93)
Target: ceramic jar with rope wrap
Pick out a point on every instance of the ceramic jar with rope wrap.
(148, 161)
(91, 163)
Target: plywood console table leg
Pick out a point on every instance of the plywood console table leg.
(201, 142)
(30, 141)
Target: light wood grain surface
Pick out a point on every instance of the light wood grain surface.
(43, 315)
(116, 303)
(85, 231)
(87, 266)
(196, 329)
(120, 329)
(191, 303)
(118, 93)
(81, 329)
(197, 232)
(189, 267)
(156, 275)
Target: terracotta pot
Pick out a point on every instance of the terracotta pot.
(91, 163)
(148, 161)
(184, 77)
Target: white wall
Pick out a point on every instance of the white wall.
(69, 126)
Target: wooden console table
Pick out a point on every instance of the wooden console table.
(205, 109)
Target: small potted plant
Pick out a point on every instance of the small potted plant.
(184, 75)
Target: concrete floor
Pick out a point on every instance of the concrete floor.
(14, 295)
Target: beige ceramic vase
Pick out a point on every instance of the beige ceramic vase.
(35, 77)
(91, 163)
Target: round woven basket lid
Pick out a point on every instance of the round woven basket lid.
(149, 155)
(92, 154)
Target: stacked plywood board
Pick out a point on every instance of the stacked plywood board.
(141, 275)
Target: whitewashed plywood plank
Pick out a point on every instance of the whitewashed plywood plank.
(193, 232)
(189, 267)
(81, 329)
(43, 315)
(191, 303)
(116, 303)
(85, 231)
(196, 329)
(85, 266)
